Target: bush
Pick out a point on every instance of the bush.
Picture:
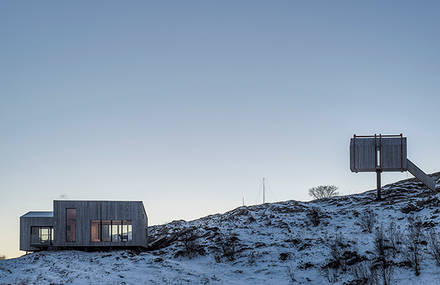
(252, 258)
(413, 242)
(381, 244)
(434, 245)
(331, 274)
(323, 191)
(191, 247)
(364, 273)
(291, 273)
(367, 220)
(410, 207)
(229, 246)
(2, 257)
(337, 259)
(395, 238)
(284, 256)
(342, 258)
(383, 264)
(314, 215)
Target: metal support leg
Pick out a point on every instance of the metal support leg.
(379, 196)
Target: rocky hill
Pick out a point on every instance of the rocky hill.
(342, 240)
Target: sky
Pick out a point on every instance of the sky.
(187, 105)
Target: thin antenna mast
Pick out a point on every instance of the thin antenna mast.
(264, 191)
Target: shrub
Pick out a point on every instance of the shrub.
(284, 256)
(323, 191)
(336, 247)
(342, 258)
(291, 273)
(387, 274)
(434, 245)
(252, 258)
(191, 247)
(395, 238)
(331, 274)
(229, 246)
(413, 242)
(410, 207)
(383, 264)
(314, 215)
(364, 273)
(367, 220)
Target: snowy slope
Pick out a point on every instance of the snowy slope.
(275, 243)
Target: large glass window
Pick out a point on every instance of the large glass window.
(127, 234)
(41, 235)
(111, 230)
(116, 230)
(106, 230)
(70, 225)
(44, 234)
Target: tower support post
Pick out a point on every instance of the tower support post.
(379, 185)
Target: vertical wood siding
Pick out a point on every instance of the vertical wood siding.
(25, 230)
(99, 210)
(85, 212)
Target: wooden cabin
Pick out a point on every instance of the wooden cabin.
(85, 225)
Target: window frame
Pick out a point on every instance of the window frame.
(94, 222)
(107, 223)
(67, 224)
(115, 229)
(51, 234)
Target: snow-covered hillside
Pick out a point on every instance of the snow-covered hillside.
(342, 240)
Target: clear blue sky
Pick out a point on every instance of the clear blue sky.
(186, 105)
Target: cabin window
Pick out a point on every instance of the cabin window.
(106, 230)
(42, 235)
(95, 230)
(111, 230)
(127, 234)
(71, 225)
(116, 230)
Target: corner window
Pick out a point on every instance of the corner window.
(41, 235)
(126, 231)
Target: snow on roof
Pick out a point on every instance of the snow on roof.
(39, 214)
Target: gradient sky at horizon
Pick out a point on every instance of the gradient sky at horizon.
(186, 105)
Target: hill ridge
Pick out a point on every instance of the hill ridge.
(330, 241)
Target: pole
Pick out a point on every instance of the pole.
(379, 197)
(264, 192)
(378, 159)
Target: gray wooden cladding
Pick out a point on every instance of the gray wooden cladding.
(86, 211)
(99, 210)
(364, 157)
(25, 230)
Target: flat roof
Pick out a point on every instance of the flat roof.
(73, 200)
(38, 214)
